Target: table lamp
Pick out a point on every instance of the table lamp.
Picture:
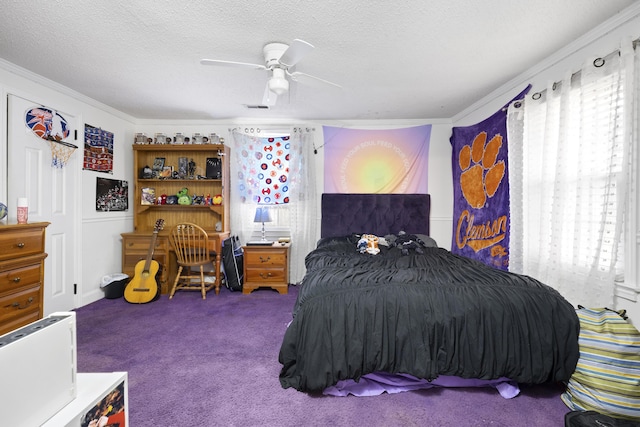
(262, 215)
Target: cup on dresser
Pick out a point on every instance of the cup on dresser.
(23, 210)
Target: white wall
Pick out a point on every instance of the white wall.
(99, 232)
(440, 178)
(598, 43)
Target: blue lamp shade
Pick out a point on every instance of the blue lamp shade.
(262, 215)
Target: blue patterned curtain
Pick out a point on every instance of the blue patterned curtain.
(263, 174)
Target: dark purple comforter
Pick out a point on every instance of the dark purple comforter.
(424, 315)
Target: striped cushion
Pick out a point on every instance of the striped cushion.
(607, 377)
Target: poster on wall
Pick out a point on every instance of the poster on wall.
(111, 195)
(481, 190)
(376, 161)
(98, 149)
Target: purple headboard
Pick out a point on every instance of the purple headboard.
(379, 214)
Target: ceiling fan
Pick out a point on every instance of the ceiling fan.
(279, 59)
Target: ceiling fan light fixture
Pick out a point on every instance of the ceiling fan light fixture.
(278, 84)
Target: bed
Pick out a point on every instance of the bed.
(424, 314)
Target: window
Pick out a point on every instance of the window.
(264, 170)
(571, 181)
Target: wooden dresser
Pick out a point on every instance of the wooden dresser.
(21, 274)
(266, 266)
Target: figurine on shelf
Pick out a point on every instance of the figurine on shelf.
(208, 200)
(146, 172)
(192, 169)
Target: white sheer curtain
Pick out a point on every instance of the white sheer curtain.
(299, 215)
(242, 214)
(568, 172)
(304, 201)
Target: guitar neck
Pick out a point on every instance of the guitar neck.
(147, 263)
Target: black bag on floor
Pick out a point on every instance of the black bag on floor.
(233, 263)
(595, 419)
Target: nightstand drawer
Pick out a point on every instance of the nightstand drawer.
(265, 275)
(265, 258)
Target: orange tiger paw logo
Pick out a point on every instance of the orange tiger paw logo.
(481, 175)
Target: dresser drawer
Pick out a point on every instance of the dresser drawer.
(19, 278)
(141, 245)
(265, 275)
(265, 258)
(132, 259)
(23, 320)
(20, 304)
(18, 243)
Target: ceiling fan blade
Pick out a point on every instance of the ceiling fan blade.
(297, 74)
(269, 98)
(297, 50)
(232, 64)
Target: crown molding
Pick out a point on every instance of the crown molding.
(64, 90)
(519, 82)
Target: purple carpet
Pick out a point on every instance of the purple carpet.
(214, 362)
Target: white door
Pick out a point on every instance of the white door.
(52, 196)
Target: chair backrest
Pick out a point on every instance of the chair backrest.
(190, 243)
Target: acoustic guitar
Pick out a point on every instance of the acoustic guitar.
(143, 288)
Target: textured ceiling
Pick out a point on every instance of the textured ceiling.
(410, 59)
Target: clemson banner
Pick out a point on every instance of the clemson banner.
(376, 161)
(481, 190)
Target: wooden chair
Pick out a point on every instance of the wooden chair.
(190, 242)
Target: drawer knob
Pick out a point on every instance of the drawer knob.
(22, 307)
(16, 279)
(265, 275)
(20, 245)
(267, 259)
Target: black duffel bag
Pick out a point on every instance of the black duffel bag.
(233, 263)
(595, 419)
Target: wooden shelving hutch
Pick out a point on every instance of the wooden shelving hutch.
(145, 216)
(213, 218)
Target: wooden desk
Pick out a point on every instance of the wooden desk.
(135, 247)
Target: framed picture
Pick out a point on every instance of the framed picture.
(148, 196)
(166, 172)
(111, 195)
(158, 163)
(183, 167)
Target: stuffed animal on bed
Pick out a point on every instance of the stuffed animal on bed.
(368, 243)
(406, 242)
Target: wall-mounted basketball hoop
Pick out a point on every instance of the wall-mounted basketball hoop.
(60, 152)
(51, 126)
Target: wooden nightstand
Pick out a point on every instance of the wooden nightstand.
(266, 266)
